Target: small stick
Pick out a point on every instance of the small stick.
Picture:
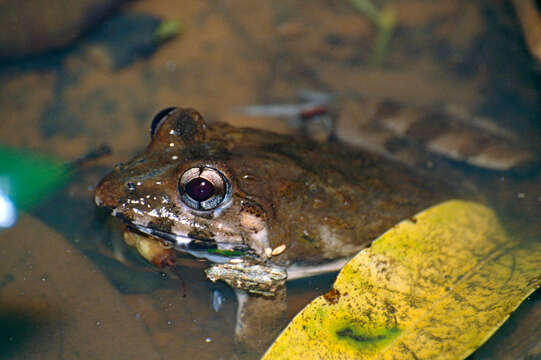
(99, 152)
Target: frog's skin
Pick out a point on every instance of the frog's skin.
(284, 204)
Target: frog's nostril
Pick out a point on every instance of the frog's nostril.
(130, 187)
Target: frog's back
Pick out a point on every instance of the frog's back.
(323, 201)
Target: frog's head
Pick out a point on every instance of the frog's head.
(181, 190)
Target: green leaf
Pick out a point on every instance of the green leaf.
(436, 286)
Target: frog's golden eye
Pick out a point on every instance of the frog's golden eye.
(158, 119)
(203, 188)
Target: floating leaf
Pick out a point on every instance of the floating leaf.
(26, 177)
(435, 286)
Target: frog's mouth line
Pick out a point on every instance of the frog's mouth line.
(200, 248)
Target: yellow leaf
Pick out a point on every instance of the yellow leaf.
(436, 286)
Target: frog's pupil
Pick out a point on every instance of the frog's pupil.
(199, 189)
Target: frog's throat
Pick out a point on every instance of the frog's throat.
(196, 247)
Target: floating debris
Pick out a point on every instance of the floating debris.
(310, 115)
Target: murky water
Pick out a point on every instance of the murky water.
(64, 294)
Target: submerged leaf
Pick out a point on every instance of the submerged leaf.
(26, 177)
(436, 286)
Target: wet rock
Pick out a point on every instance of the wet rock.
(35, 26)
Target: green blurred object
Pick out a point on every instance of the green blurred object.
(368, 9)
(27, 177)
(168, 29)
(385, 21)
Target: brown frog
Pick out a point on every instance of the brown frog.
(261, 207)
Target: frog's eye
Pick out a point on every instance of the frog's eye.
(159, 118)
(203, 188)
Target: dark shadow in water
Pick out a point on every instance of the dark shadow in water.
(125, 38)
(19, 327)
(319, 283)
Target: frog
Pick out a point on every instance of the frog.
(262, 208)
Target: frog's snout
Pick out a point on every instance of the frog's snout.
(99, 194)
(106, 194)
